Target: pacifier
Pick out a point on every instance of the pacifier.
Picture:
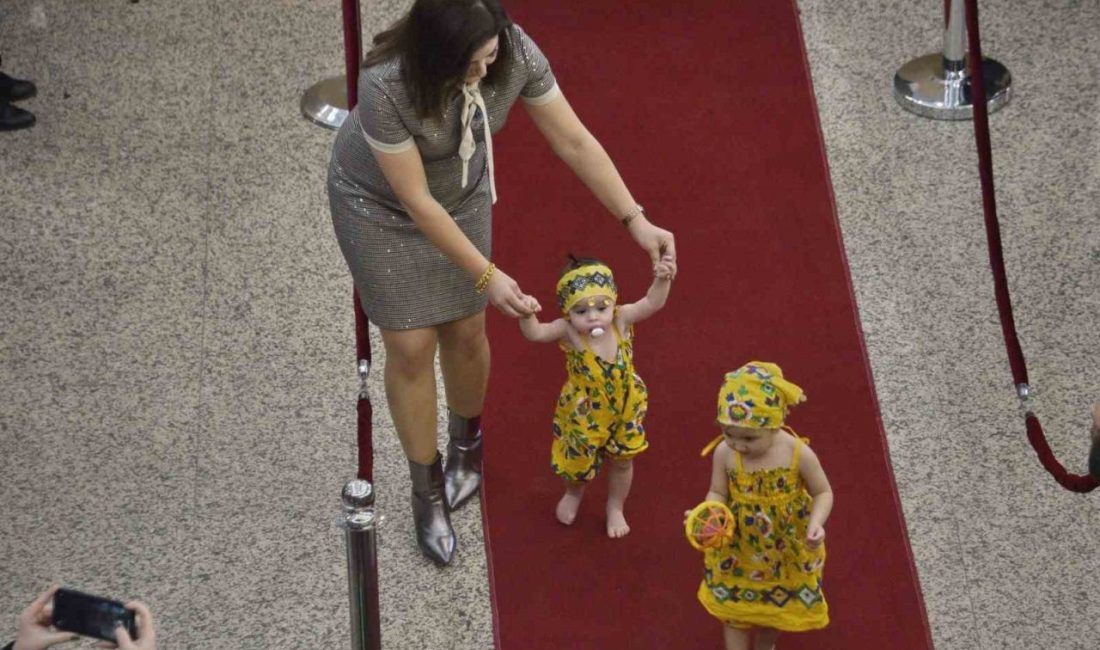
(597, 331)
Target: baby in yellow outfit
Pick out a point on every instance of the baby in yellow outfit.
(602, 405)
(767, 574)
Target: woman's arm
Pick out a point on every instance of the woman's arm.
(404, 172)
(572, 142)
(543, 332)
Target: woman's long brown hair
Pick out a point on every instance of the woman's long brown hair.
(435, 42)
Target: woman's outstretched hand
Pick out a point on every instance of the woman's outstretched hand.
(658, 242)
(504, 294)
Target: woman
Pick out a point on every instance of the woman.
(411, 188)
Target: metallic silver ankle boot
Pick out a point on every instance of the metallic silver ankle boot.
(434, 533)
(463, 474)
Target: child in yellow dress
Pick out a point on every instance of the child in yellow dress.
(603, 402)
(768, 575)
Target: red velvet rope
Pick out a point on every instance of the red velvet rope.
(1074, 482)
(353, 47)
(363, 408)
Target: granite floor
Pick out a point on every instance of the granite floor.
(176, 374)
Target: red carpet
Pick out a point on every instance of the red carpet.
(707, 109)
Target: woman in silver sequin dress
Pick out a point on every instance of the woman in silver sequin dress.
(411, 190)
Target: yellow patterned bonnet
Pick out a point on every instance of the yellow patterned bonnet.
(756, 396)
(586, 281)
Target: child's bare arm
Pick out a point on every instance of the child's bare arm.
(654, 299)
(555, 330)
(719, 487)
(817, 484)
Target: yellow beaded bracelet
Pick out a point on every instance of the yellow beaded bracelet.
(483, 282)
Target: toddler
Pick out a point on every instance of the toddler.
(603, 402)
(767, 577)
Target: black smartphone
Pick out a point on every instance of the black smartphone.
(89, 615)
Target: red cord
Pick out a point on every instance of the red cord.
(364, 409)
(1074, 482)
(353, 46)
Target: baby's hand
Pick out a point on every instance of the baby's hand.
(665, 269)
(814, 536)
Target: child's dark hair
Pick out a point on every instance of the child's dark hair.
(578, 262)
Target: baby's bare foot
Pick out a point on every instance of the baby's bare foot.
(568, 506)
(616, 523)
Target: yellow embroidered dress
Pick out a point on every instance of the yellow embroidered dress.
(600, 410)
(766, 576)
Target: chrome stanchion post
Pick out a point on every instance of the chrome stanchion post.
(938, 85)
(327, 102)
(361, 537)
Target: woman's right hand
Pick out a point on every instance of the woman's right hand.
(504, 294)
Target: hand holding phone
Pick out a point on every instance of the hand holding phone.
(92, 616)
(34, 625)
(148, 635)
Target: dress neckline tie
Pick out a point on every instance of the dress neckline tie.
(472, 98)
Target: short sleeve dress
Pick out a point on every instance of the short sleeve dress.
(766, 576)
(404, 281)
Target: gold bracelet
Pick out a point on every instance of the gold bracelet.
(483, 282)
(637, 211)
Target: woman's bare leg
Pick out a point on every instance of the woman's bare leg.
(410, 389)
(464, 360)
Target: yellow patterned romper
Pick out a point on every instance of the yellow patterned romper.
(600, 410)
(765, 576)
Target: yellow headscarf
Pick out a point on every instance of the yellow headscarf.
(755, 396)
(583, 282)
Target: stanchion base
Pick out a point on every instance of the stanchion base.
(923, 87)
(326, 102)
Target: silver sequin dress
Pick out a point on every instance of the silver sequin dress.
(404, 281)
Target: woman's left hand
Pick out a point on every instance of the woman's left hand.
(655, 241)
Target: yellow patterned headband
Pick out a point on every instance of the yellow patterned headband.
(755, 396)
(588, 281)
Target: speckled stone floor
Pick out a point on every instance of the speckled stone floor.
(176, 367)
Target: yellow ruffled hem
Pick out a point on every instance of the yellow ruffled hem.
(764, 615)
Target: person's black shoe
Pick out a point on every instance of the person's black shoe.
(13, 89)
(13, 117)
